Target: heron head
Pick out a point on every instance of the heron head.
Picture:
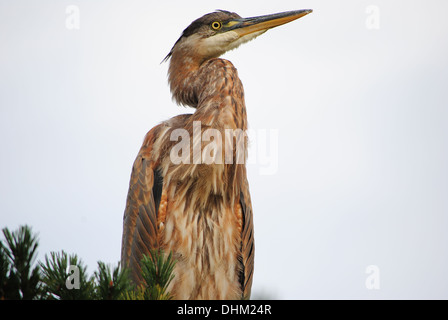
(215, 33)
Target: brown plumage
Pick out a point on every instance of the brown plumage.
(199, 209)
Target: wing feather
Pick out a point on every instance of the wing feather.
(140, 232)
(247, 242)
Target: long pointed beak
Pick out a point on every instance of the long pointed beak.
(262, 23)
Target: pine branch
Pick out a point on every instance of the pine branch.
(157, 272)
(65, 278)
(20, 279)
(111, 284)
(6, 287)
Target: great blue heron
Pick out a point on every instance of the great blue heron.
(201, 212)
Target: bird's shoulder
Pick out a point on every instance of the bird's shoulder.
(156, 138)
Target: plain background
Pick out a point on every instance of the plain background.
(359, 106)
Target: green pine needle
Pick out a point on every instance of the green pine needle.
(65, 283)
(157, 272)
(19, 280)
(64, 277)
(111, 284)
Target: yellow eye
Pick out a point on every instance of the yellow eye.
(216, 25)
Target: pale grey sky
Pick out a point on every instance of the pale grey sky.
(361, 116)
